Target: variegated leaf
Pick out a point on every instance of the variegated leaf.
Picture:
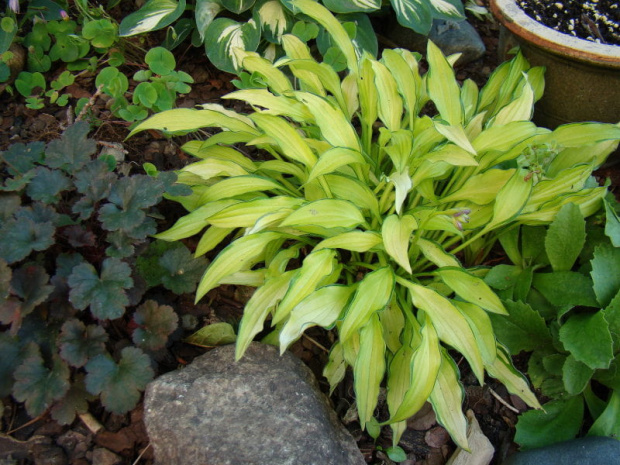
(231, 187)
(434, 253)
(277, 81)
(237, 6)
(356, 241)
(480, 324)
(326, 213)
(246, 214)
(352, 6)
(274, 19)
(153, 15)
(390, 104)
(443, 88)
(414, 14)
(504, 371)
(333, 159)
(456, 135)
(481, 188)
(205, 13)
(511, 199)
(396, 232)
(224, 35)
(272, 104)
(472, 289)
(210, 239)
(336, 367)
(194, 222)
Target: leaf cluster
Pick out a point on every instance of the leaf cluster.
(562, 293)
(367, 216)
(71, 226)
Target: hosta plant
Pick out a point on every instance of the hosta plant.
(362, 213)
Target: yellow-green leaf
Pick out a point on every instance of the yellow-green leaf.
(246, 214)
(519, 109)
(481, 188)
(254, 63)
(297, 50)
(433, 252)
(390, 104)
(442, 86)
(272, 104)
(369, 369)
(232, 187)
(396, 232)
(453, 155)
(336, 367)
(373, 294)
(201, 149)
(211, 238)
(195, 221)
(503, 370)
(348, 188)
(333, 159)
(326, 213)
(356, 241)
(321, 308)
(480, 324)
(472, 289)
(511, 199)
(213, 167)
(404, 76)
(456, 135)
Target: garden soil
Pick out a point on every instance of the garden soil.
(107, 439)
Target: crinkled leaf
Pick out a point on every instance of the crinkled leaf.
(94, 181)
(79, 343)
(588, 339)
(39, 386)
(14, 353)
(20, 158)
(565, 237)
(606, 273)
(119, 384)
(213, 335)
(74, 402)
(5, 279)
(522, 329)
(19, 237)
(104, 293)
(181, 271)
(47, 185)
(155, 323)
(147, 263)
(73, 150)
(560, 421)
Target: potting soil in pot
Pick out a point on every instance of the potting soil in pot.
(595, 20)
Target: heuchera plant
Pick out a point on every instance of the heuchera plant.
(360, 211)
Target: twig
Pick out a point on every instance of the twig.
(316, 343)
(31, 422)
(503, 402)
(91, 422)
(142, 453)
(90, 103)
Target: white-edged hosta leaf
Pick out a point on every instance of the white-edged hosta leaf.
(153, 15)
(447, 401)
(471, 289)
(435, 253)
(369, 369)
(264, 299)
(321, 308)
(456, 135)
(231, 187)
(191, 119)
(355, 241)
(326, 213)
(414, 14)
(275, 20)
(195, 221)
(425, 364)
(352, 6)
(334, 126)
(480, 324)
(224, 35)
(316, 267)
(246, 214)
(333, 159)
(241, 254)
(481, 188)
(451, 325)
(237, 6)
(373, 294)
(335, 29)
(390, 104)
(210, 239)
(273, 105)
(511, 198)
(396, 232)
(205, 13)
(286, 136)
(503, 370)
(448, 9)
(442, 87)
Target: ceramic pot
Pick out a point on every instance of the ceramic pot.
(582, 78)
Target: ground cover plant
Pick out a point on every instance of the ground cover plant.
(72, 260)
(363, 214)
(561, 293)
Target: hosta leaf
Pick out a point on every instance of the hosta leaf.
(155, 323)
(239, 255)
(390, 104)
(327, 213)
(588, 339)
(347, 188)
(264, 299)
(510, 199)
(336, 367)
(105, 293)
(333, 159)
(393, 322)
(503, 370)
(481, 188)
(369, 369)
(416, 15)
(153, 15)
(405, 79)
(373, 294)
(472, 289)
(451, 325)
(277, 81)
(274, 19)
(119, 384)
(316, 267)
(519, 109)
(73, 150)
(523, 330)
(38, 386)
(276, 105)
(205, 12)
(453, 155)
(402, 185)
(78, 342)
(433, 252)
(456, 135)
(396, 232)
(239, 185)
(212, 335)
(442, 87)
(321, 308)
(447, 401)
(211, 238)
(579, 134)
(194, 222)
(211, 167)
(480, 323)
(425, 364)
(237, 6)
(356, 241)
(352, 6)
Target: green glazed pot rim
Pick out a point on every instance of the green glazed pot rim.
(513, 18)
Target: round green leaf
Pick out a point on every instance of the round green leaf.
(160, 60)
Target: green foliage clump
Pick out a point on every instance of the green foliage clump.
(70, 229)
(368, 216)
(562, 294)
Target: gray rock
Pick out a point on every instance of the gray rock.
(583, 451)
(450, 36)
(264, 409)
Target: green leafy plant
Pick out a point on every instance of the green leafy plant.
(260, 24)
(561, 293)
(359, 212)
(71, 227)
